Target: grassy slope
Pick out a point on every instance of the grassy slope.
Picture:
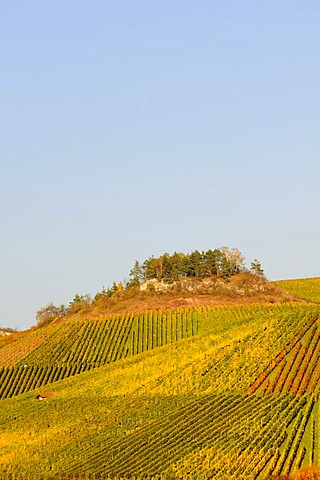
(97, 422)
(306, 288)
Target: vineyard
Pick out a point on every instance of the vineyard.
(226, 392)
(307, 288)
(295, 369)
(73, 348)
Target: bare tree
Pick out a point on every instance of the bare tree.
(235, 259)
(48, 313)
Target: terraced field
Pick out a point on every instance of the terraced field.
(212, 392)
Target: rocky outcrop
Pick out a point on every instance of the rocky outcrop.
(239, 285)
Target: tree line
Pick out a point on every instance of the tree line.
(222, 262)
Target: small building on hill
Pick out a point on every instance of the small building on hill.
(44, 396)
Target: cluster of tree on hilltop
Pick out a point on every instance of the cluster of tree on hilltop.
(222, 262)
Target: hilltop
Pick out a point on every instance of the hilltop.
(209, 277)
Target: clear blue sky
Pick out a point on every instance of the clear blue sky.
(134, 128)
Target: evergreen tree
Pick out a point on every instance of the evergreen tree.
(149, 268)
(185, 265)
(136, 273)
(194, 267)
(256, 268)
(210, 264)
(225, 269)
(176, 265)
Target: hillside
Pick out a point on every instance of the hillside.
(306, 288)
(213, 391)
(241, 289)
